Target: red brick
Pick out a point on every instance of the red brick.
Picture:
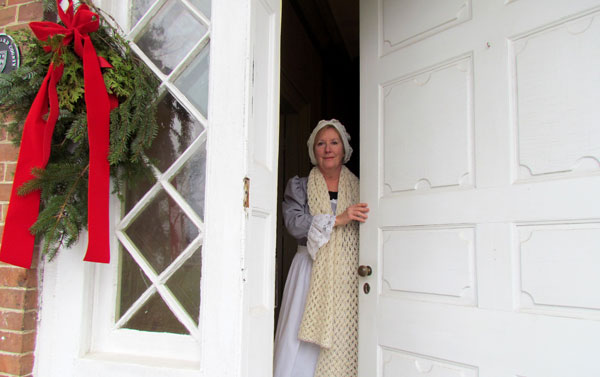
(9, 172)
(17, 277)
(4, 210)
(12, 298)
(31, 299)
(8, 152)
(9, 117)
(16, 364)
(15, 2)
(2, 170)
(18, 320)
(8, 15)
(18, 298)
(17, 342)
(2, 3)
(31, 12)
(18, 27)
(5, 189)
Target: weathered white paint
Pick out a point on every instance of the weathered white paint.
(479, 159)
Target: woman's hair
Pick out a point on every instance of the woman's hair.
(341, 130)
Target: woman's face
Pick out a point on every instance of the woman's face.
(329, 149)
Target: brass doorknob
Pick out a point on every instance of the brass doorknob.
(365, 271)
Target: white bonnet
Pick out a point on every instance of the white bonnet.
(343, 134)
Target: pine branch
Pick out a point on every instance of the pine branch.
(60, 214)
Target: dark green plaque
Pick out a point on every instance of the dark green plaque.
(9, 54)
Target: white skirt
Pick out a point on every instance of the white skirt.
(293, 357)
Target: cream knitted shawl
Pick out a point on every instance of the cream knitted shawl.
(331, 313)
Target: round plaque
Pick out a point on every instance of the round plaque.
(9, 54)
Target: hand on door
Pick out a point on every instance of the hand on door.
(357, 212)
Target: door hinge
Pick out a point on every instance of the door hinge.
(246, 192)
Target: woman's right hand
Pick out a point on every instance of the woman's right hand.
(357, 212)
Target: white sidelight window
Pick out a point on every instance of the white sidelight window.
(162, 229)
(156, 295)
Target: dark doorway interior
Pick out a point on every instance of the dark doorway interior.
(319, 80)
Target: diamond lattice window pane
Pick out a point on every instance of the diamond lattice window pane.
(138, 8)
(185, 285)
(203, 6)
(170, 36)
(133, 283)
(156, 316)
(162, 231)
(136, 189)
(177, 130)
(189, 181)
(193, 82)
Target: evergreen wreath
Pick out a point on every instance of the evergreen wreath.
(133, 126)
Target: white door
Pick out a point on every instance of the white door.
(189, 291)
(261, 200)
(480, 147)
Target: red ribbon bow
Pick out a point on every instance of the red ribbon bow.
(17, 241)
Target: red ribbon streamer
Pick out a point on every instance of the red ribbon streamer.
(17, 241)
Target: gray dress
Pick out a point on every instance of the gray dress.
(293, 357)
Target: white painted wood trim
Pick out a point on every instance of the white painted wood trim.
(222, 285)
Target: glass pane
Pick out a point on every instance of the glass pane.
(156, 316)
(138, 8)
(177, 130)
(189, 181)
(193, 82)
(162, 231)
(185, 285)
(137, 189)
(203, 6)
(133, 282)
(170, 36)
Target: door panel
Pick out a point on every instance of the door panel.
(429, 264)
(413, 109)
(479, 160)
(554, 88)
(433, 17)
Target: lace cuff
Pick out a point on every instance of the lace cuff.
(319, 233)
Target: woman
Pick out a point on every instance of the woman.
(318, 322)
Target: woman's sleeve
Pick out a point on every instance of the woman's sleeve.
(319, 233)
(298, 220)
(296, 217)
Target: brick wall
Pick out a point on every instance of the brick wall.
(18, 286)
